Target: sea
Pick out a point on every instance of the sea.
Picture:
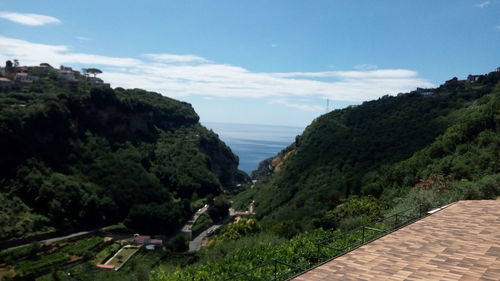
(254, 143)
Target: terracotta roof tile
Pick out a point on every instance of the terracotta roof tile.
(460, 242)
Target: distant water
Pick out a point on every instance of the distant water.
(254, 143)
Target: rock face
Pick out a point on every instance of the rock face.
(222, 162)
(274, 164)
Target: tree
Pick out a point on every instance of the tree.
(154, 218)
(219, 209)
(8, 66)
(93, 71)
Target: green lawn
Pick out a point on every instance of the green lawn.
(122, 256)
(104, 253)
(34, 258)
(137, 268)
(81, 247)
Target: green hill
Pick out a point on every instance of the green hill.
(85, 156)
(445, 137)
(352, 167)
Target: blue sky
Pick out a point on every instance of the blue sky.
(259, 62)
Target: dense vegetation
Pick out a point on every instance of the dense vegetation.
(355, 165)
(90, 156)
(382, 148)
(349, 168)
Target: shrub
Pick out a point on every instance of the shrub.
(178, 244)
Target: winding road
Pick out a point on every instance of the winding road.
(195, 244)
(186, 229)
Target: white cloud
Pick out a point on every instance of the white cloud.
(83, 38)
(29, 19)
(30, 53)
(300, 106)
(483, 4)
(365, 66)
(169, 58)
(188, 75)
(274, 45)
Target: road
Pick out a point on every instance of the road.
(57, 239)
(186, 229)
(72, 235)
(195, 244)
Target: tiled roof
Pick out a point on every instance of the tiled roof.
(107, 266)
(156, 241)
(460, 242)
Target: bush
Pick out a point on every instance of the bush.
(351, 223)
(287, 228)
(11, 255)
(82, 247)
(353, 211)
(178, 244)
(203, 222)
(219, 208)
(32, 267)
(119, 228)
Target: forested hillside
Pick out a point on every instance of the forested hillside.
(91, 156)
(446, 136)
(352, 167)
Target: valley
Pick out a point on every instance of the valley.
(161, 190)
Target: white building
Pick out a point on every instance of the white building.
(25, 78)
(67, 75)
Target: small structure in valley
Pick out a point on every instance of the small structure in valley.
(148, 242)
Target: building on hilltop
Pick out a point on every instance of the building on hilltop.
(95, 80)
(46, 65)
(65, 68)
(25, 78)
(66, 75)
(5, 83)
(423, 92)
(473, 78)
(451, 82)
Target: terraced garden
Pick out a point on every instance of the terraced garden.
(122, 256)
